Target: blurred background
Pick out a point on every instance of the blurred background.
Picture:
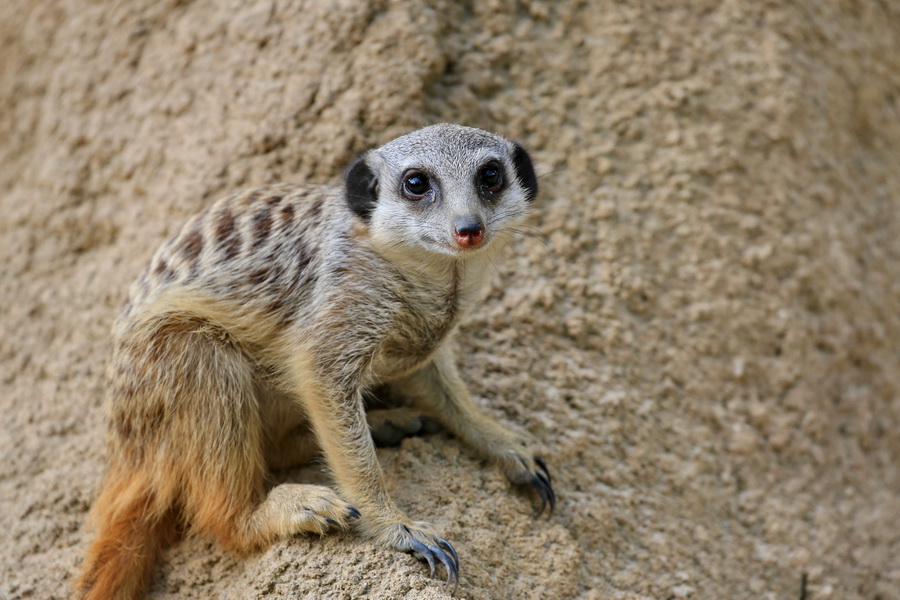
(706, 338)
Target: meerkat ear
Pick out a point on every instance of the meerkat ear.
(525, 171)
(361, 188)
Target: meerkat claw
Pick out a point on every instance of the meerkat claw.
(450, 564)
(543, 467)
(353, 513)
(541, 481)
(429, 553)
(421, 550)
(449, 547)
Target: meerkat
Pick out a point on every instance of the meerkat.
(250, 340)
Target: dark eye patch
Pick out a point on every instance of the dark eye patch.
(525, 172)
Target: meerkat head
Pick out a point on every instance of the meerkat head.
(445, 189)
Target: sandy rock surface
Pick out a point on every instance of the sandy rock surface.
(704, 334)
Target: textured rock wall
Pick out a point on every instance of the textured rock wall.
(705, 334)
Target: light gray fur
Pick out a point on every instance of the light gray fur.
(450, 154)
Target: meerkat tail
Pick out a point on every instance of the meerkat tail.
(132, 534)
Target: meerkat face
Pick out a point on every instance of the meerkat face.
(444, 189)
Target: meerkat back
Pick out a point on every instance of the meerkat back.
(250, 340)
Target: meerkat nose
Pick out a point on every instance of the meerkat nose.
(468, 231)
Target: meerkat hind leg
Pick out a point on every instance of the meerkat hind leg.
(295, 448)
(212, 438)
(291, 508)
(389, 426)
(289, 439)
(391, 419)
(292, 443)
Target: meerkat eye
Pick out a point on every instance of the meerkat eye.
(416, 185)
(490, 178)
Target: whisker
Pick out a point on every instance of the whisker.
(530, 228)
(553, 171)
(491, 260)
(533, 236)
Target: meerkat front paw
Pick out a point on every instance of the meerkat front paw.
(417, 539)
(533, 471)
(523, 467)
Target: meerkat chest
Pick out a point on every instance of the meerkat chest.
(431, 311)
(417, 332)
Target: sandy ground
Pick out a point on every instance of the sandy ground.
(707, 344)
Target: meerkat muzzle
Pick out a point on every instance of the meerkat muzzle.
(468, 231)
